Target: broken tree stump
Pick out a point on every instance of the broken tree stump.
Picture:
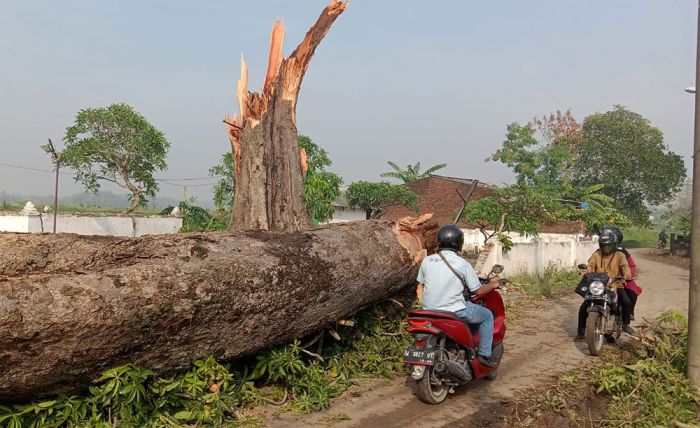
(269, 165)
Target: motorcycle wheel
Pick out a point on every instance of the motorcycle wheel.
(429, 393)
(595, 333)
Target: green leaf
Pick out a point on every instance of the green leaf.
(183, 415)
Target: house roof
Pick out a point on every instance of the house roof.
(440, 195)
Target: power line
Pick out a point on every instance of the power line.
(164, 180)
(186, 185)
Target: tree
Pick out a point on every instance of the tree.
(118, 145)
(321, 187)
(224, 188)
(411, 173)
(677, 216)
(371, 197)
(517, 208)
(625, 152)
(544, 164)
(269, 165)
(523, 209)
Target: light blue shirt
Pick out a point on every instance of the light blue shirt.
(443, 290)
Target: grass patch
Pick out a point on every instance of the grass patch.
(551, 282)
(644, 387)
(653, 390)
(640, 238)
(215, 394)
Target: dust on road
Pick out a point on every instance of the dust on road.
(538, 348)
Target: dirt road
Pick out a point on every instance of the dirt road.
(538, 348)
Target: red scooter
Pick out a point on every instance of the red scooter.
(443, 355)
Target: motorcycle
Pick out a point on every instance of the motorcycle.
(604, 320)
(662, 244)
(443, 354)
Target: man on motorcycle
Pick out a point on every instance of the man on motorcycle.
(632, 289)
(607, 259)
(442, 280)
(662, 239)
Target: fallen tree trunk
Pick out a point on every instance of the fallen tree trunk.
(72, 306)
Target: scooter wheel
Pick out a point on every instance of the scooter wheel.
(429, 393)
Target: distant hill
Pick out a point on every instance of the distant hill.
(106, 200)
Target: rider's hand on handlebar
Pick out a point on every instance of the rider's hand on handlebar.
(628, 278)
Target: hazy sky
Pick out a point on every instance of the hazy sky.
(403, 81)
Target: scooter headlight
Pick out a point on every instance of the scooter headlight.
(597, 288)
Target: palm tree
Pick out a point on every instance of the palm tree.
(411, 173)
(592, 195)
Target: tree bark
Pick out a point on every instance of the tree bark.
(269, 163)
(72, 306)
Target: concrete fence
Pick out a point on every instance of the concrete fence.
(31, 221)
(535, 256)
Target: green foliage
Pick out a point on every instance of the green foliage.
(637, 237)
(118, 145)
(517, 208)
(321, 187)
(371, 197)
(534, 164)
(625, 152)
(618, 153)
(547, 164)
(653, 391)
(127, 396)
(547, 284)
(197, 219)
(212, 394)
(677, 217)
(223, 189)
(411, 173)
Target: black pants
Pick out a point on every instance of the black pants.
(627, 300)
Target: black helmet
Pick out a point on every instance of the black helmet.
(615, 230)
(607, 242)
(450, 237)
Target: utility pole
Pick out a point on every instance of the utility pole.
(56, 158)
(694, 289)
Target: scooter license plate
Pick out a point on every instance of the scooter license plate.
(414, 356)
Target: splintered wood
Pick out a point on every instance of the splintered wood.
(269, 165)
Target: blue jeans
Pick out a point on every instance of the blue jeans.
(477, 314)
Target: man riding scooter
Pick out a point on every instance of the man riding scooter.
(607, 259)
(442, 280)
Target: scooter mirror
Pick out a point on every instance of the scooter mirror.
(583, 266)
(497, 269)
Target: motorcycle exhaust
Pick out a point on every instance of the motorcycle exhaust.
(455, 371)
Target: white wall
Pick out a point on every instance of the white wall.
(535, 256)
(14, 223)
(343, 214)
(474, 239)
(90, 224)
